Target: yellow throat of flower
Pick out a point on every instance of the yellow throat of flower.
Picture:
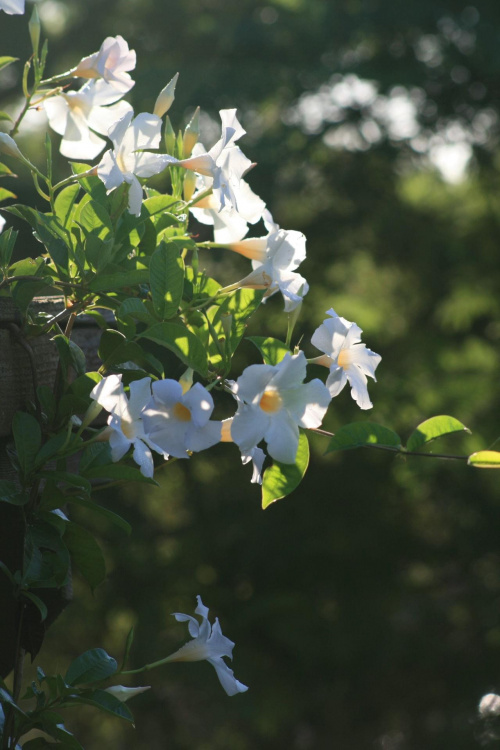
(181, 412)
(271, 401)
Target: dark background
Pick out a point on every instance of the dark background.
(364, 607)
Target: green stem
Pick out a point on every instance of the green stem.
(198, 198)
(74, 178)
(401, 451)
(147, 667)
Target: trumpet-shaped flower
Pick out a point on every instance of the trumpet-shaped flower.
(77, 114)
(273, 403)
(274, 260)
(12, 7)
(347, 358)
(127, 160)
(125, 422)
(179, 422)
(110, 64)
(208, 643)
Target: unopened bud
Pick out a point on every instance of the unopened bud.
(166, 97)
(9, 146)
(189, 184)
(34, 29)
(169, 136)
(192, 133)
(186, 380)
(124, 693)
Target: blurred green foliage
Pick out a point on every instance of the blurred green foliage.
(365, 607)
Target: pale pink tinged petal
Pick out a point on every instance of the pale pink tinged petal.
(57, 112)
(193, 624)
(253, 248)
(86, 68)
(226, 677)
(249, 426)
(204, 164)
(218, 644)
(260, 278)
(146, 164)
(118, 130)
(144, 458)
(134, 195)
(200, 403)
(282, 437)
(118, 443)
(167, 392)
(290, 372)
(253, 381)
(103, 118)
(201, 438)
(317, 399)
(109, 171)
(336, 380)
(359, 387)
(365, 359)
(140, 394)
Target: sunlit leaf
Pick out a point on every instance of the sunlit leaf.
(432, 429)
(485, 460)
(359, 434)
(281, 479)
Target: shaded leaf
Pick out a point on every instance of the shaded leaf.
(91, 666)
(272, 350)
(359, 434)
(181, 342)
(86, 554)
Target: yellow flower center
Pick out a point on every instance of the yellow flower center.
(271, 401)
(344, 358)
(181, 412)
(128, 429)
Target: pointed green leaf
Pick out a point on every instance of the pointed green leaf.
(65, 202)
(5, 194)
(113, 518)
(86, 554)
(41, 606)
(181, 342)
(116, 472)
(5, 116)
(166, 279)
(485, 460)
(28, 440)
(272, 350)
(113, 281)
(281, 479)
(91, 666)
(105, 702)
(359, 434)
(432, 429)
(4, 61)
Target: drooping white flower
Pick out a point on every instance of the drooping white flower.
(178, 421)
(127, 428)
(274, 260)
(347, 358)
(125, 693)
(208, 643)
(230, 225)
(77, 114)
(127, 160)
(110, 64)
(256, 455)
(12, 7)
(225, 163)
(273, 402)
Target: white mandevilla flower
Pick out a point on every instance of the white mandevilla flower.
(111, 64)
(178, 421)
(347, 358)
(273, 403)
(77, 114)
(125, 422)
(12, 7)
(489, 706)
(128, 160)
(208, 643)
(225, 163)
(2, 223)
(256, 455)
(274, 260)
(230, 225)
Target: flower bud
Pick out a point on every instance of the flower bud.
(189, 185)
(186, 380)
(34, 29)
(192, 133)
(9, 146)
(169, 136)
(124, 693)
(166, 98)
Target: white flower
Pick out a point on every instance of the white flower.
(178, 421)
(111, 64)
(347, 358)
(489, 705)
(274, 260)
(273, 403)
(208, 643)
(2, 223)
(125, 693)
(76, 114)
(12, 7)
(127, 159)
(225, 163)
(230, 225)
(125, 421)
(255, 455)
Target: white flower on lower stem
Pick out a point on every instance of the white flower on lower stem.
(128, 160)
(347, 358)
(255, 455)
(125, 422)
(273, 403)
(179, 422)
(208, 643)
(77, 114)
(12, 7)
(125, 693)
(111, 64)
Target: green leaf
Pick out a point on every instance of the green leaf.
(70, 355)
(41, 606)
(359, 434)
(97, 454)
(113, 281)
(92, 185)
(113, 518)
(114, 349)
(432, 429)
(86, 554)
(51, 448)
(181, 342)
(166, 279)
(134, 308)
(272, 350)
(115, 471)
(128, 646)
(26, 267)
(5, 194)
(7, 242)
(281, 479)
(105, 702)
(98, 229)
(485, 460)
(239, 306)
(5, 116)
(64, 203)
(28, 440)
(10, 493)
(74, 480)
(4, 61)
(92, 666)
